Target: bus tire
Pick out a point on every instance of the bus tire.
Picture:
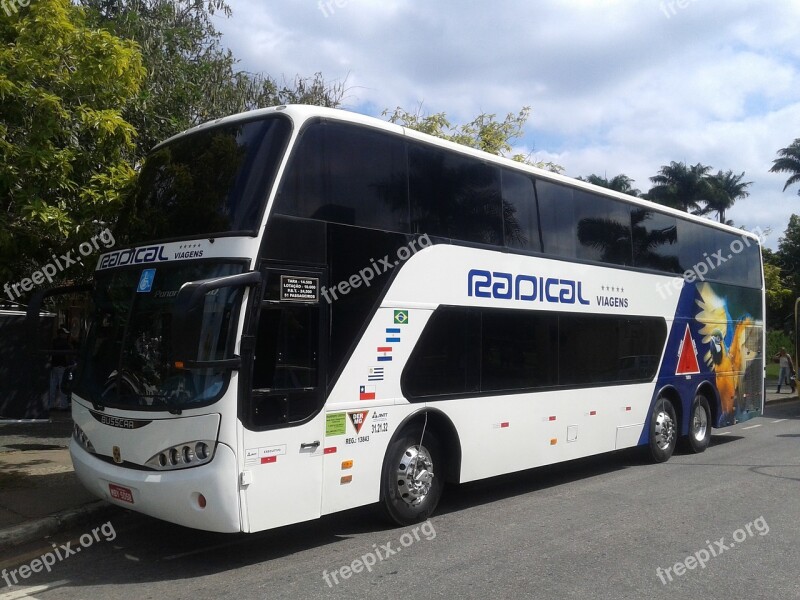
(412, 478)
(663, 430)
(699, 435)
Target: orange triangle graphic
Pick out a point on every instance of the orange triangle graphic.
(687, 356)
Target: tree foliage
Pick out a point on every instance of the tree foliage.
(619, 183)
(681, 186)
(192, 78)
(484, 132)
(781, 274)
(777, 339)
(778, 295)
(65, 146)
(789, 251)
(724, 190)
(693, 188)
(788, 161)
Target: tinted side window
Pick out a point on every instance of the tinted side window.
(557, 214)
(727, 266)
(286, 352)
(518, 350)
(347, 174)
(446, 359)
(603, 229)
(520, 214)
(454, 196)
(655, 240)
(719, 255)
(751, 258)
(694, 242)
(734, 261)
(465, 351)
(625, 349)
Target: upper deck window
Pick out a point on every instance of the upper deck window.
(454, 196)
(214, 181)
(345, 174)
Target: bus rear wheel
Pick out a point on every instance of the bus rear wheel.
(699, 425)
(663, 430)
(412, 477)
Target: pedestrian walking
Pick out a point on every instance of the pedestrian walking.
(60, 359)
(787, 369)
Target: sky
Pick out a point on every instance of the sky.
(614, 86)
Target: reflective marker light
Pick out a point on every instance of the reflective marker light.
(183, 456)
(201, 501)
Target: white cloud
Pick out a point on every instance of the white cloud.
(614, 85)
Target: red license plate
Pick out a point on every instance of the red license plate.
(120, 493)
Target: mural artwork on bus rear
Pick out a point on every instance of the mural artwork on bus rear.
(717, 337)
(730, 346)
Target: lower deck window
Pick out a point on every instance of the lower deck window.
(466, 351)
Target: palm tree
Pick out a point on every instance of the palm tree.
(619, 183)
(681, 187)
(789, 162)
(726, 189)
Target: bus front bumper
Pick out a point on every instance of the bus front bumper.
(172, 496)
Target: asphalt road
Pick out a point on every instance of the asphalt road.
(595, 528)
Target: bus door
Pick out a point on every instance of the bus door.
(284, 369)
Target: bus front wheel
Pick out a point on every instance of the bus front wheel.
(663, 430)
(412, 478)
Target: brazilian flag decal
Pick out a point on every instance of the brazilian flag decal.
(401, 317)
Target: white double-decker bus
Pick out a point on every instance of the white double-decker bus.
(316, 310)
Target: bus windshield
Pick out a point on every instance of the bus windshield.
(126, 360)
(213, 181)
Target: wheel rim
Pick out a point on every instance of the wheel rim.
(665, 428)
(414, 475)
(699, 423)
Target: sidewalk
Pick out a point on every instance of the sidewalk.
(39, 492)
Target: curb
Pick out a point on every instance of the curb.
(39, 528)
(789, 398)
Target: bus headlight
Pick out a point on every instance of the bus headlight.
(182, 456)
(82, 439)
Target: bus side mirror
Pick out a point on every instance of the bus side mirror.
(188, 320)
